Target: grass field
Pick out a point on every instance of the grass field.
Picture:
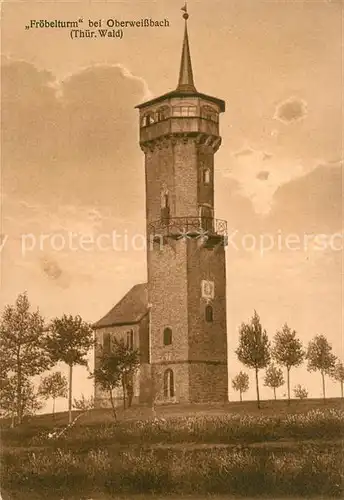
(232, 449)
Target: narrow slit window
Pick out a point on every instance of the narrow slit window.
(168, 384)
(206, 176)
(209, 314)
(167, 336)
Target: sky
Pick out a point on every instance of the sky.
(71, 162)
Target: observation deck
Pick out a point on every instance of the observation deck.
(210, 231)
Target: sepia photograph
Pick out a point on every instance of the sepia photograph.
(171, 250)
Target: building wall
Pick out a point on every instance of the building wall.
(167, 292)
(141, 336)
(181, 382)
(208, 383)
(207, 340)
(177, 267)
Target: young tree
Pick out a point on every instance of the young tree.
(53, 386)
(83, 404)
(254, 347)
(108, 375)
(240, 383)
(22, 348)
(129, 364)
(69, 340)
(30, 402)
(338, 375)
(300, 392)
(321, 358)
(287, 351)
(273, 378)
(117, 367)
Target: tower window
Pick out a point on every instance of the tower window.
(147, 119)
(168, 384)
(206, 176)
(209, 314)
(163, 113)
(167, 336)
(106, 342)
(209, 113)
(165, 206)
(185, 111)
(206, 218)
(130, 339)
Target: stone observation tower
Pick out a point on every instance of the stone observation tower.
(181, 330)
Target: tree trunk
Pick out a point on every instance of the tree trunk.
(288, 383)
(341, 388)
(19, 392)
(257, 388)
(275, 393)
(70, 394)
(123, 389)
(323, 384)
(240, 396)
(130, 397)
(54, 408)
(113, 405)
(13, 419)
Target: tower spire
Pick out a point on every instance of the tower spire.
(186, 82)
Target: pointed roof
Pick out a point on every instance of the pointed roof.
(186, 86)
(129, 310)
(186, 81)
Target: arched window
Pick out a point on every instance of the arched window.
(167, 336)
(130, 339)
(168, 384)
(209, 314)
(206, 176)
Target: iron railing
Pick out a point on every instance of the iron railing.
(192, 227)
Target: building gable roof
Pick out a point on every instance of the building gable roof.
(129, 310)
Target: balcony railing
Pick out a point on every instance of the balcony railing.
(189, 227)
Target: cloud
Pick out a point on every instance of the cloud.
(311, 203)
(243, 152)
(70, 135)
(249, 170)
(291, 110)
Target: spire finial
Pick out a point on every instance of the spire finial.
(185, 9)
(186, 82)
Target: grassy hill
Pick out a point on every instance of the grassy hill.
(103, 415)
(180, 449)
